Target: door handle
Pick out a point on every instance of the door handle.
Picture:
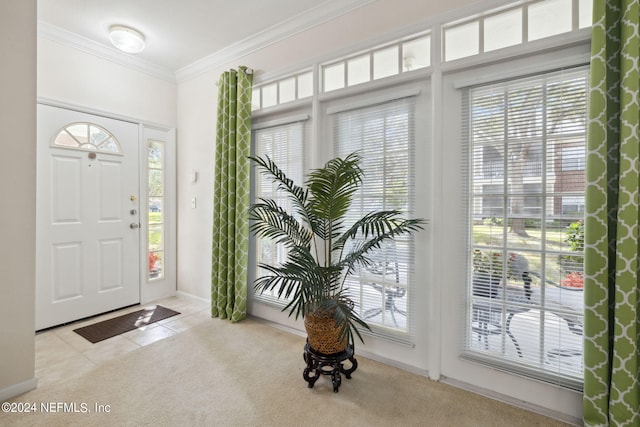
(134, 225)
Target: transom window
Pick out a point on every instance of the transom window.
(533, 20)
(282, 91)
(87, 136)
(380, 62)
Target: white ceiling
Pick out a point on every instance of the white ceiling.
(180, 32)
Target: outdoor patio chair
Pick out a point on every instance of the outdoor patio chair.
(494, 311)
(383, 275)
(573, 319)
(568, 310)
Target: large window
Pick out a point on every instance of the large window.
(284, 144)
(384, 135)
(526, 152)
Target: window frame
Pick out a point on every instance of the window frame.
(156, 253)
(373, 121)
(368, 96)
(509, 363)
(317, 153)
(298, 118)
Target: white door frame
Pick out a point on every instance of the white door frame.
(149, 291)
(166, 286)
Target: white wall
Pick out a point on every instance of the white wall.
(196, 140)
(17, 192)
(75, 77)
(437, 346)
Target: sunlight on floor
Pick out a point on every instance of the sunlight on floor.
(61, 353)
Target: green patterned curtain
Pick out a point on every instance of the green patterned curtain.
(231, 196)
(611, 333)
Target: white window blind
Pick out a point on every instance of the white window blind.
(383, 134)
(284, 144)
(526, 183)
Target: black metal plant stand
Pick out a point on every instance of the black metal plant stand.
(328, 364)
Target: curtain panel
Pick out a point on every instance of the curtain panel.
(611, 333)
(230, 243)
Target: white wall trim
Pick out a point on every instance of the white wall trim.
(571, 61)
(280, 122)
(99, 50)
(306, 20)
(381, 99)
(102, 113)
(186, 295)
(513, 401)
(363, 353)
(18, 389)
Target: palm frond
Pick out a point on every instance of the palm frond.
(269, 220)
(297, 194)
(331, 191)
(379, 223)
(385, 224)
(300, 277)
(370, 233)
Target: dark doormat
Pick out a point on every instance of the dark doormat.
(125, 323)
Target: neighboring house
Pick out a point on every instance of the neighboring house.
(566, 176)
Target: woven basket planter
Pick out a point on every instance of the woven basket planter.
(323, 334)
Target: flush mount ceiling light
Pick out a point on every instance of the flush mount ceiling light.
(126, 39)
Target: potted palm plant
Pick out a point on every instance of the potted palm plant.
(322, 248)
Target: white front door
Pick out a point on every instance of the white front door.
(88, 231)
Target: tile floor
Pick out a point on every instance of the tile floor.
(61, 353)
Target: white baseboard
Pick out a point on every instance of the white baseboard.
(151, 299)
(186, 295)
(18, 389)
(279, 326)
(513, 402)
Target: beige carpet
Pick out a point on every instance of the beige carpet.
(250, 374)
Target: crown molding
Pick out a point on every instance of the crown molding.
(99, 50)
(319, 14)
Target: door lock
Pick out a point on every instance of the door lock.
(134, 225)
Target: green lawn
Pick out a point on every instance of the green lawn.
(155, 230)
(530, 246)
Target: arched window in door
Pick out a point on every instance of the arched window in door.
(87, 136)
